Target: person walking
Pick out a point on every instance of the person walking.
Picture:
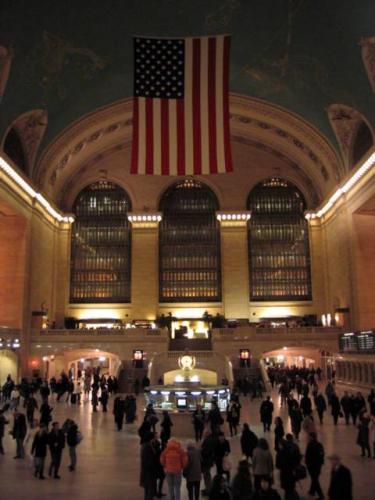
(249, 441)
(363, 434)
(148, 472)
(39, 450)
(199, 418)
(241, 487)
(193, 471)
(279, 432)
(104, 400)
(45, 414)
(119, 411)
(166, 427)
(306, 406)
(220, 489)
(287, 460)
(262, 463)
(321, 406)
(314, 459)
(56, 443)
(266, 492)
(73, 438)
(174, 460)
(296, 419)
(222, 451)
(19, 433)
(345, 405)
(266, 412)
(3, 423)
(335, 408)
(341, 485)
(233, 417)
(208, 459)
(31, 405)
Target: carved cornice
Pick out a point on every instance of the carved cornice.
(267, 126)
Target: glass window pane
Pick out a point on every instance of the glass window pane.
(101, 245)
(189, 241)
(279, 256)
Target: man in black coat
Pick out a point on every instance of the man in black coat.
(340, 487)
(266, 411)
(346, 406)
(148, 477)
(321, 406)
(335, 407)
(19, 433)
(56, 442)
(39, 450)
(314, 458)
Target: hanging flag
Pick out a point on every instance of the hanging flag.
(181, 106)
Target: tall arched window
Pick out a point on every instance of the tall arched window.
(279, 256)
(189, 244)
(100, 256)
(14, 149)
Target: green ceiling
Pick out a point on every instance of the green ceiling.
(72, 56)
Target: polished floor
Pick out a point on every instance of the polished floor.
(108, 461)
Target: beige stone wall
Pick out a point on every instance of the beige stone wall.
(363, 242)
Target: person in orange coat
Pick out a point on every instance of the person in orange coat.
(174, 460)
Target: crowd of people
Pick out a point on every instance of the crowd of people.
(27, 409)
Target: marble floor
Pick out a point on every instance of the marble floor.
(108, 461)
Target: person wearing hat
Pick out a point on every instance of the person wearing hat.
(341, 485)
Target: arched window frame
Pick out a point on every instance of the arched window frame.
(189, 264)
(101, 269)
(278, 241)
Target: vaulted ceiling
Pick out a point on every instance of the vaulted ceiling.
(71, 57)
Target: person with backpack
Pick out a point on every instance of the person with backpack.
(314, 459)
(73, 438)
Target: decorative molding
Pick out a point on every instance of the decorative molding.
(345, 121)
(368, 57)
(266, 125)
(31, 127)
(5, 64)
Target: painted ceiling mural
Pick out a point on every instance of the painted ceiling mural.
(73, 56)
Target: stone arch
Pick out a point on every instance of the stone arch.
(253, 121)
(30, 127)
(346, 122)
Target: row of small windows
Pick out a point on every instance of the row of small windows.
(189, 244)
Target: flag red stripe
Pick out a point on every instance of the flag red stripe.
(134, 163)
(197, 144)
(180, 137)
(149, 136)
(164, 137)
(212, 105)
(227, 152)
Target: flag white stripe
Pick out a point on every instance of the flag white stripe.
(142, 135)
(157, 135)
(188, 90)
(204, 107)
(219, 104)
(172, 108)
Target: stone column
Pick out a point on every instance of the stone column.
(144, 270)
(234, 264)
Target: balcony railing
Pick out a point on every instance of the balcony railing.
(89, 333)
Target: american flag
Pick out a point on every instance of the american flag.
(180, 107)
